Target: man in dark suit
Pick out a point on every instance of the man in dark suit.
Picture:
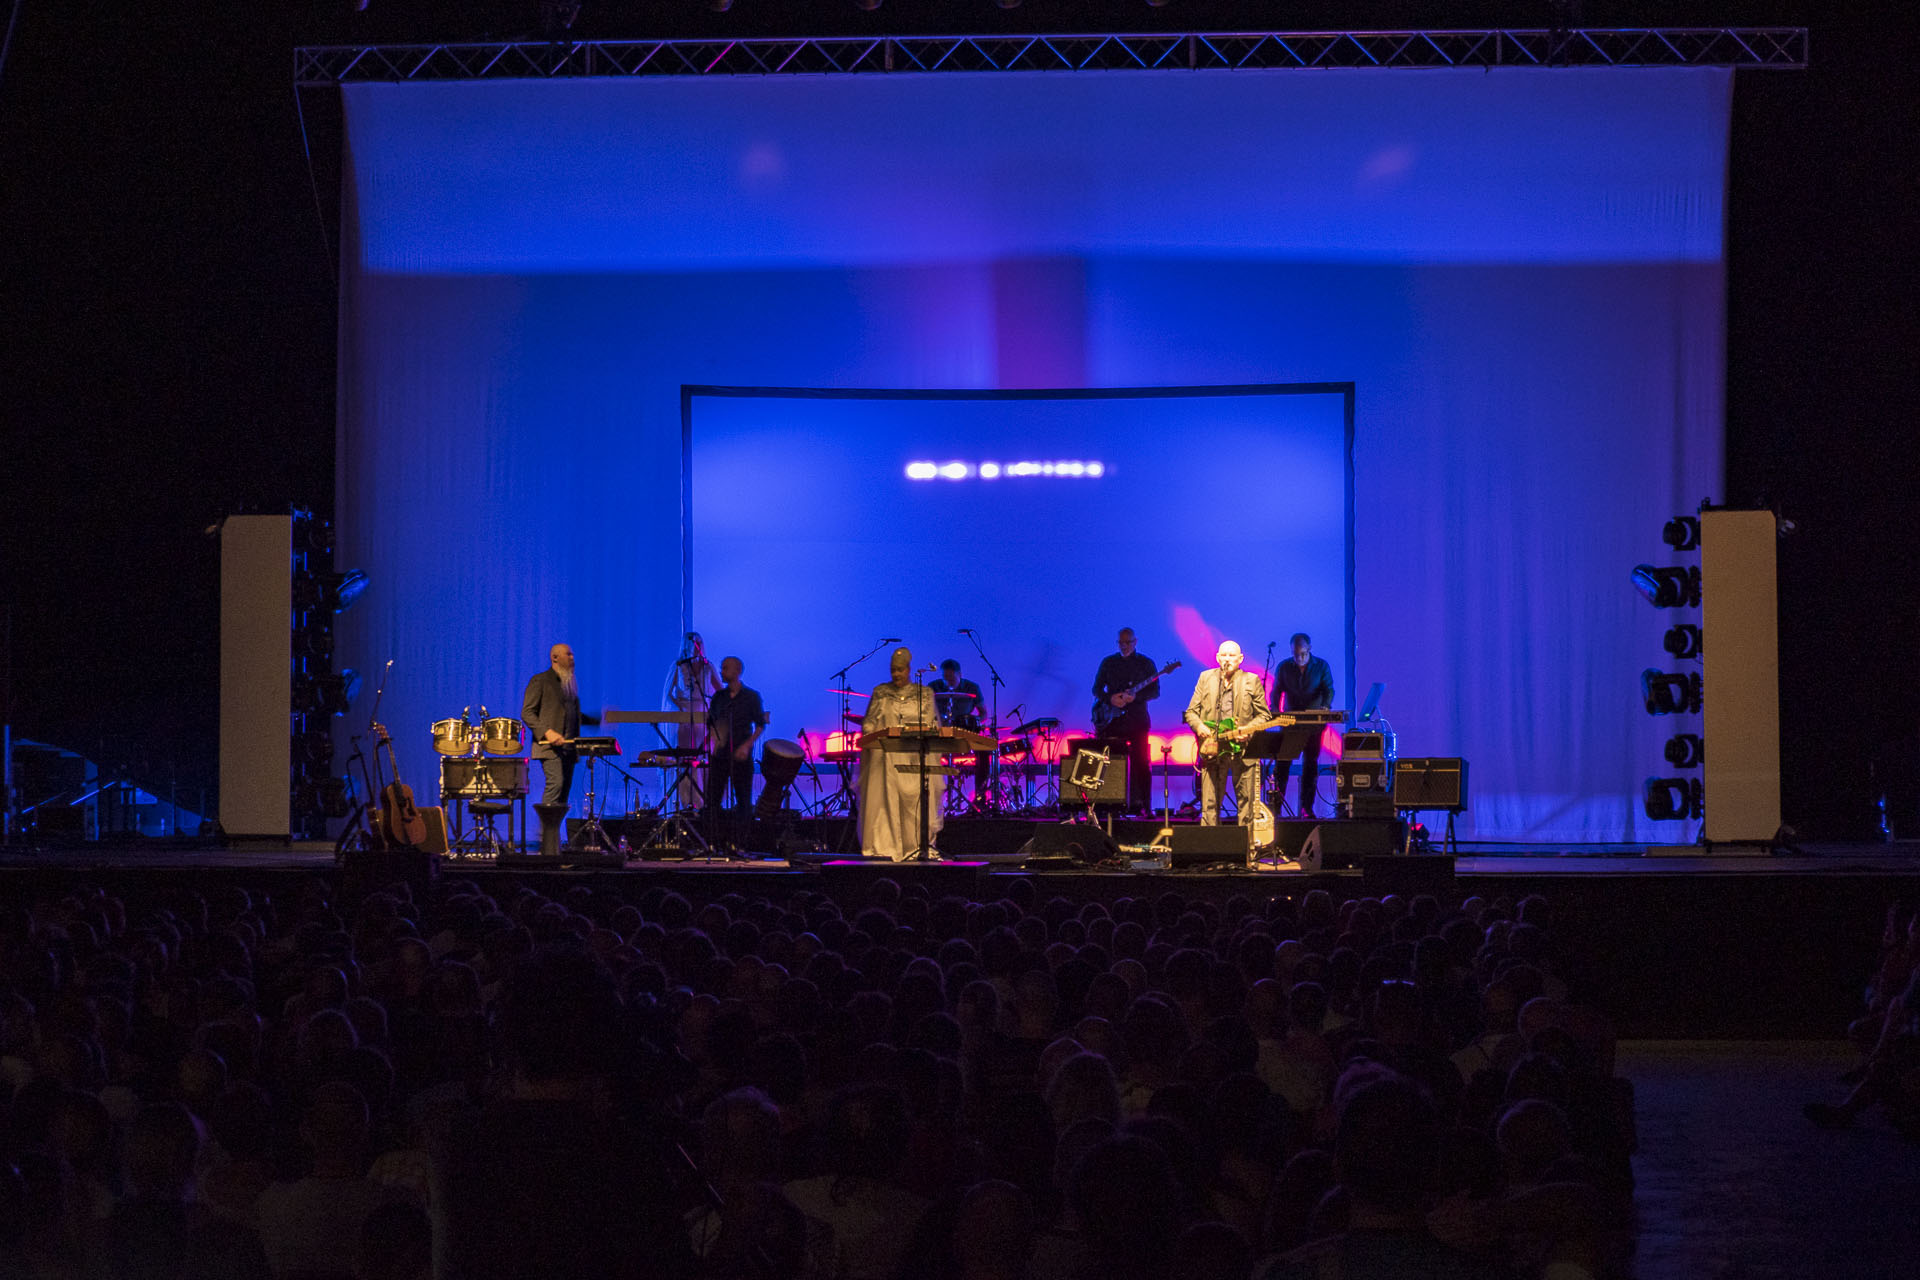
(552, 712)
(1307, 683)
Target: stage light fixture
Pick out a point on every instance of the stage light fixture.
(315, 644)
(1682, 533)
(1682, 641)
(334, 592)
(1673, 799)
(719, 6)
(1670, 587)
(1666, 694)
(1686, 751)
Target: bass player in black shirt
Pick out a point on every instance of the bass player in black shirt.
(1125, 683)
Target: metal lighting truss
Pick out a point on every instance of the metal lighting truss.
(1780, 48)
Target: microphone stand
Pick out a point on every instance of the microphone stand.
(993, 683)
(841, 679)
(1267, 683)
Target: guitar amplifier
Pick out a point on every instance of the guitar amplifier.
(1430, 782)
(1113, 787)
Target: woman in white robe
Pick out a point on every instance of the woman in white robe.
(890, 797)
(691, 684)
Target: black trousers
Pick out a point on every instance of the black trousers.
(724, 773)
(1133, 732)
(1309, 776)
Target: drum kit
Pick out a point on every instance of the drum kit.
(482, 775)
(1026, 772)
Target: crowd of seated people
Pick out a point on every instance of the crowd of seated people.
(509, 1079)
(1887, 1034)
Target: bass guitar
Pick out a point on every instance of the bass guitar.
(400, 820)
(1105, 713)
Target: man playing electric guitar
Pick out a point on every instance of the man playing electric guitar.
(1125, 683)
(1227, 705)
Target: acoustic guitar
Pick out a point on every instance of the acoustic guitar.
(400, 820)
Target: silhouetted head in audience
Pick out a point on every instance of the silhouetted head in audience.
(740, 1140)
(557, 1023)
(1209, 1251)
(162, 1143)
(1125, 1196)
(1385, 1151)
(993, 1232)
(1533, 1135)
(866, 1133)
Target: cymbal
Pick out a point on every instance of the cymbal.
(1034, 726)
(851, 693)
(854, 716)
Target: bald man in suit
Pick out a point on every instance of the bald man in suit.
(1226, 693)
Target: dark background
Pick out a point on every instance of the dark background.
(168, 313)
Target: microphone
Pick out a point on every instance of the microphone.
(966, 631)
(891, 640)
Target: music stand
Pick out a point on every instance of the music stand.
(1283, 745)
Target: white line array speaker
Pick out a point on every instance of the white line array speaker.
(1740, 675)
(256, 682)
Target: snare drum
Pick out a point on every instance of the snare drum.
(502, 735)
(450, 737)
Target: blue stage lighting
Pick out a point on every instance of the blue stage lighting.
(1683, 641)
(1682, 533)
(1670, 695)
(1668, 588)
(1673, 799)
(1686, 751)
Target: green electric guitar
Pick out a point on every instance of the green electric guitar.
(1231, 738)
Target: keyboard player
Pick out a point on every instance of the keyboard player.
(1306, 682)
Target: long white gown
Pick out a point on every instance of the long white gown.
(889, 797)
(691, 684)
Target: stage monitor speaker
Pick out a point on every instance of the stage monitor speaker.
(1113, 788)
(1193, 846)
(1430, 782)
(1421, 873)
(1333, 845)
